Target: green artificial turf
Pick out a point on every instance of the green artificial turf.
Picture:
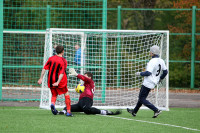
(32, 119)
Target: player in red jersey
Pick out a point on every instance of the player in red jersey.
(86, 98)
(57, 79)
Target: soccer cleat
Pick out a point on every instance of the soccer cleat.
(131, 111)
(157, 113)
(109, 112)
(53, 109)
(69, 114)
(116, 112)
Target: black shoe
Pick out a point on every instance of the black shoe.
(131, 111)
(53, 109)
(157, 113)
(109, 112)
(116, 112)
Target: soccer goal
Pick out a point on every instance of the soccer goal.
(113, 56)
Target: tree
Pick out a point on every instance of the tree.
(184, 42)
(137, 20)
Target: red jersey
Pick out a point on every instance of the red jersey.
(56, 66)
(89, 87)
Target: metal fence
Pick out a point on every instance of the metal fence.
(184, 66)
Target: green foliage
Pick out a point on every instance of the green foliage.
(179, 74)
(31, 14)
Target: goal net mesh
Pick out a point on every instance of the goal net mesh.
(113, 56)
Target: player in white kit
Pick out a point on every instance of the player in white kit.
(152, 76)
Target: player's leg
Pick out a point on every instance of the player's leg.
(68, 104)
(64, 91)
(104, 112)
(53, 100)
(74, 108)
(86, 105)
(142, 98)
(138, 105)
(108, 112)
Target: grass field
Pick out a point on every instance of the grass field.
(32, 119)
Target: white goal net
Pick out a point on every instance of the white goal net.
(113, 56)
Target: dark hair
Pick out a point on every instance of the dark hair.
(59, 49)
(89, 74)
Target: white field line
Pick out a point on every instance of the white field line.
(152, 122)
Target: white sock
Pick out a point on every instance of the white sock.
(64, 111)
(103, 112)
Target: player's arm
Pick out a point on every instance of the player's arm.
(59, 79)
(46, 67)
(41, 76)
(82, 77)
(165, 72)
(146, 73)
(72, 72)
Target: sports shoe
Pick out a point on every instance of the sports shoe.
(157, 113)
(109, 112)
(53, 109)
(69, 114)
(116, 112)
(131, 111)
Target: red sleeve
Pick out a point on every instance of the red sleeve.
(47, 65)
(83, 78)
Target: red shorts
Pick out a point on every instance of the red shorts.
(58, 91)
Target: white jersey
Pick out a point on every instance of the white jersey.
(155, 66)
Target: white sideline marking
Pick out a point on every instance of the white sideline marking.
(153, 123)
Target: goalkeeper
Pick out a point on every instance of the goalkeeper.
(86, 98)
(152, 76)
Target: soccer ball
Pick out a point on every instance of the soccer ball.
(80, 88)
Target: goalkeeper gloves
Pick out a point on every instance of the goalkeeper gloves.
(72, 72)
(137, 73)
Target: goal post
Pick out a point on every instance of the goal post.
(113, 56)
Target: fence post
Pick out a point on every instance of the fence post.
(48, 17)
(193, 47)
(1, 46)
(118, 46)
(103, 74)
(119, 17)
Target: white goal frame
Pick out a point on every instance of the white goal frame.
(81, 32)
